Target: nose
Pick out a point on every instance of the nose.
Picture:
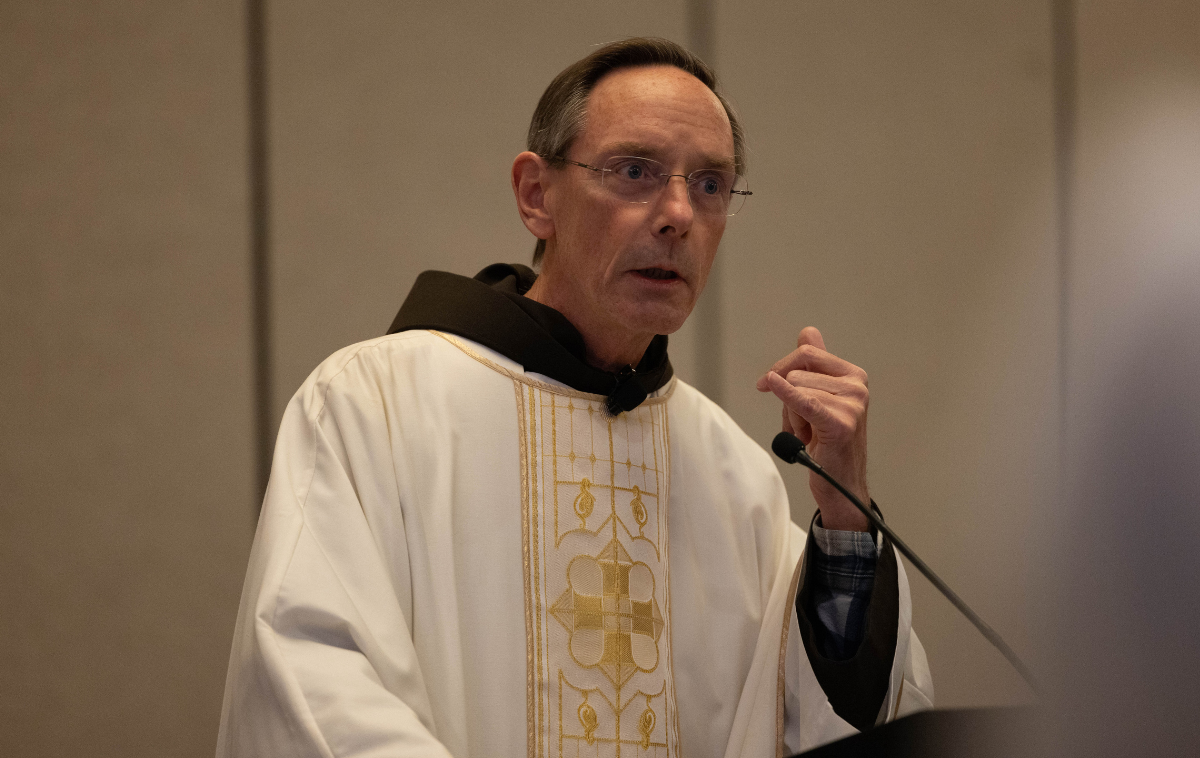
(674, 208)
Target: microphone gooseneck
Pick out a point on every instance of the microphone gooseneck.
(790, 449)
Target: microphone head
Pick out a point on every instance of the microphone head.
(787, 446)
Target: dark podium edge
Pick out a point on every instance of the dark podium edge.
(959, 732)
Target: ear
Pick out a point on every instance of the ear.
(530, 173)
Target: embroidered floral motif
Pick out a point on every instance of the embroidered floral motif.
(584, 502)
(639, 509)
(587, 717)
(646, 725)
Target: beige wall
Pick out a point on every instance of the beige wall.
(903, 168)
(126, 492)
(903, 163)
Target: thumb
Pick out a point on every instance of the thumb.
(810, 335)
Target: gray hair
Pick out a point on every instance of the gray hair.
(562, 111)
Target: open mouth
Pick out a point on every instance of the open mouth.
(657, 273)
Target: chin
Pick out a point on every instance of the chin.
(657, 318)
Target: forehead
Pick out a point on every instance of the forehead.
(661, 109)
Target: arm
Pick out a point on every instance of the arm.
(887, 677)
(843, 575)
(849, 599)
(848, 609)
(323, 662)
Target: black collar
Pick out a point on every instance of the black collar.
(492, 309)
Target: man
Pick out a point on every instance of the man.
(504, 529)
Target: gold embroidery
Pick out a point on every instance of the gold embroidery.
(604, 581)
(532, 732)
(780, 678)
(584, 503)
(611, 614)
(639, 510)
(587, 717)
(642, 433)
(533, 447)
(665, 435)
(646, 724)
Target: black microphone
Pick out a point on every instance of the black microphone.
(790, 449)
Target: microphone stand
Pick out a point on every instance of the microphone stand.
(790, 449)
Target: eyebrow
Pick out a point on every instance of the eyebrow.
(645, 151)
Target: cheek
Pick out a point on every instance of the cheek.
(613, 234)
(708, 241)
(586, 220)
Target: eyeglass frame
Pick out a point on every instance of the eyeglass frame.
(665, 177)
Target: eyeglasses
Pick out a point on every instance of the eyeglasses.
(712, 191)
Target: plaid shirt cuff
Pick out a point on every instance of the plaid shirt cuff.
(843, 573)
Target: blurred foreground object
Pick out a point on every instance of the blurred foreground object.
(1120, 614)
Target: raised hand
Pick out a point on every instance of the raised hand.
(825, 405)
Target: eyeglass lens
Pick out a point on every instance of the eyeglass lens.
(639, 180)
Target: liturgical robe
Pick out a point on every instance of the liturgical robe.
(460, 556)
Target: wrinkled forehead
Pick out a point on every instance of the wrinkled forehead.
(659, 112)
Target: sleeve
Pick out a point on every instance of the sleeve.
(848, 610)
(843, 574)
(323, 662)
(886, 677)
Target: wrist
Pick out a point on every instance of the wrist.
(837, 512)
(842, 521)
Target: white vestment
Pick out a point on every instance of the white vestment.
(459, 558)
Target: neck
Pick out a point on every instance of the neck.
(609, 347)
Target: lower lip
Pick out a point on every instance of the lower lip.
(657, 282)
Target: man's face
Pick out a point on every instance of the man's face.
(638, 268)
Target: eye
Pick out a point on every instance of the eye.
(632, 170)
(711, 184)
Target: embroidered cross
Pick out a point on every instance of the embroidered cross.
(611, 614)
